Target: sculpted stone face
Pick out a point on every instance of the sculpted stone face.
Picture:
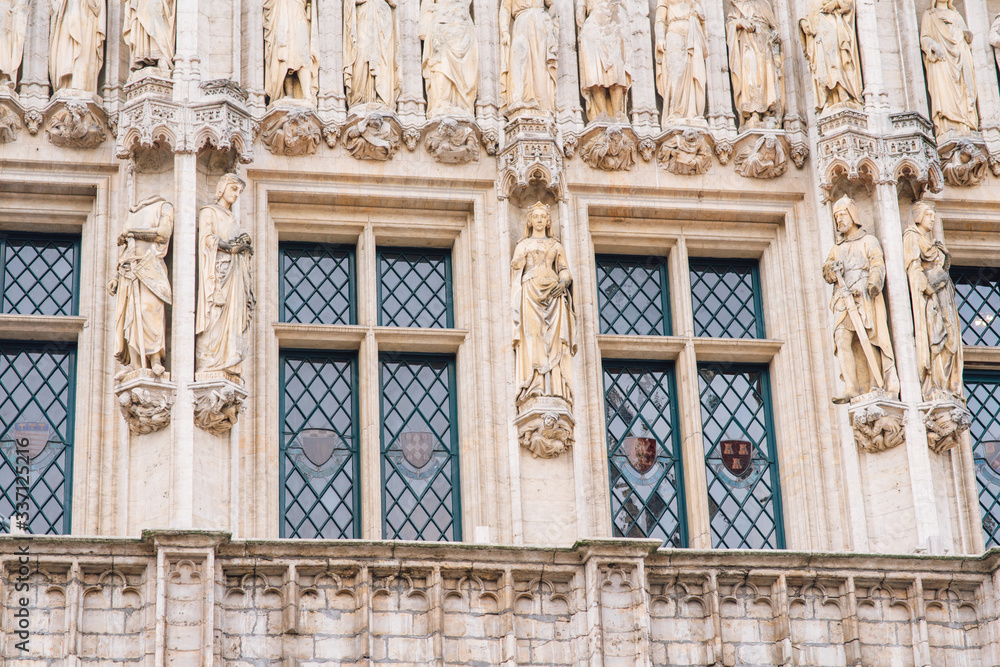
(539, 221)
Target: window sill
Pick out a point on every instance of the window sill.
(349, 337)
(63, 328)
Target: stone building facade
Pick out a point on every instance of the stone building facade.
(500, 333)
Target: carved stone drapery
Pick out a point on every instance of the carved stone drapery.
(945, 421)
(529, 48)
(10, 125)
(545, 428)
(450, 57)
(756, 64)
(291, 50)
(964, 163)
(77, 29)
(830, 40)
(761, 155)
(951, 80)
(13, 28)
(148, 31)
(371, 43)
(681, 52)
(604, 49)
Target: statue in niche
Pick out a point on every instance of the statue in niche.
(291, 63)
(77, 29)
(544, 317)
(13, 28)
(605, 73)
(681, 54)
(951, 81)
(142, 286)
(529, 47)
(755, 63)
(225, 298)
(148, 31)
(370, 41)
(451, 57)
(994, 39)
(830, 40)
(856, 267)
(936, 326)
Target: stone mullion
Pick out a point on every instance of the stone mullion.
(74, 611)
(645, 118)
(715, 611)
(509, 654)
(436, 614)
(921, 646)
(365, 614)
(368, 388)
(852, 636)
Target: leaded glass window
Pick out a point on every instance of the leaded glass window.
(316, 283)
(633, 295)
(420, 489)
(726, 300)
(982, 392)
(741, 465)
(644, 458)
(414, 288)
(39, 275)
(320, 491)
(977, 290)
(37, 387)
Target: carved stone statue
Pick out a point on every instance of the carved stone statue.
(372, 138)
(936, 326)
(765, 158)
(148, 30)
(225, 298)
(755, 63)
(994, 39)
(686, 153)
(142, 286)
(605, 43)
(291, 41)
(529, 47)
(951, 81)
(13, 28)
(830, 40)
(856, 267)
(965, 166)
(611, 150)
(451, 57)
(681, 53)
(371, 76)
(77, 29)
(452, 143)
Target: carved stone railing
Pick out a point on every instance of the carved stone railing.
(199, 598)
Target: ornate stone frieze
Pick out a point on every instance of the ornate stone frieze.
(685, 150)
(217, 403)
(877, 422)
(964, 162)
(945, 421)
(145, 400)
(609, 147)
(761, 154)
(375, 136)
(530, 156)
(76, 123)
(291, 130)
(452, 140)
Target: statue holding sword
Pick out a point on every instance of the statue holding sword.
(856, 268)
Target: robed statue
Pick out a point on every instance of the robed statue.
(451, 57)
(291, 43)
(13, 28)
(142, 286)
(529, 48)
(77, 29)
(830, 41)
(225, 298)
(945, 41)
(371, 38)
(755, 63)
(605, 44)
(856, 269)
(681, 58)
(148, 30)
(936, 326)
(544, 317)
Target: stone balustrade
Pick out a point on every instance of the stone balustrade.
(199, 598)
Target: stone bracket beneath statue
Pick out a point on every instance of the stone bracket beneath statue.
(452, 139)
(685, 150)
(964, 159)
(145, 400)
(545, 426)
(218, 401)
(530, 158)
(292, 128)
(945, 420)
(11, 115)
(877, 421)
(372, 135)
(609, 146)
(75, 119)
(761, 153)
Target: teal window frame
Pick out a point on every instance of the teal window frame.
(604, 303)
(987, 478)
(442, 253)
(974, 277)
(70, 350)
(757, 298)
(39, 239)
(771, 453)
(284, 248)
(615, 449)
(453, 455)
(284, 440)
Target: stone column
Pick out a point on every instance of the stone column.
(410, 106)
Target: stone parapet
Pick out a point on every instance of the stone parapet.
(176, 597)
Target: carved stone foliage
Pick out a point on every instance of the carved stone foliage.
(610, 147)
(453, 141)
(764, 157)
(292, 132)
(75, 125)
(375, 136)
(530, 157)
(217, 404)
(10, 125)
(877, 424)
(145, 401)
(964, 163)
(685, 151)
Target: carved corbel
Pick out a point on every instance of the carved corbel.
(964, 162)
(75, 123)
(610, 147)
(531, 158)
(877, 422)
(374, 136)
(217, 403)
(145, 400)
(10, 125)
(452, 140)
(291, 130)
(685, 150)
(545, 427)
(761, 154)
(945, 421)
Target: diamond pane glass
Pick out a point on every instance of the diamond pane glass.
(647, 489)
(420, 498)
(977, 290)
(39, 275)
(319, 447)
(632, 295)
(317, 284)
(740, 464)
(414, 288)
(725, 296)
(983, 396)
(36, 432)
